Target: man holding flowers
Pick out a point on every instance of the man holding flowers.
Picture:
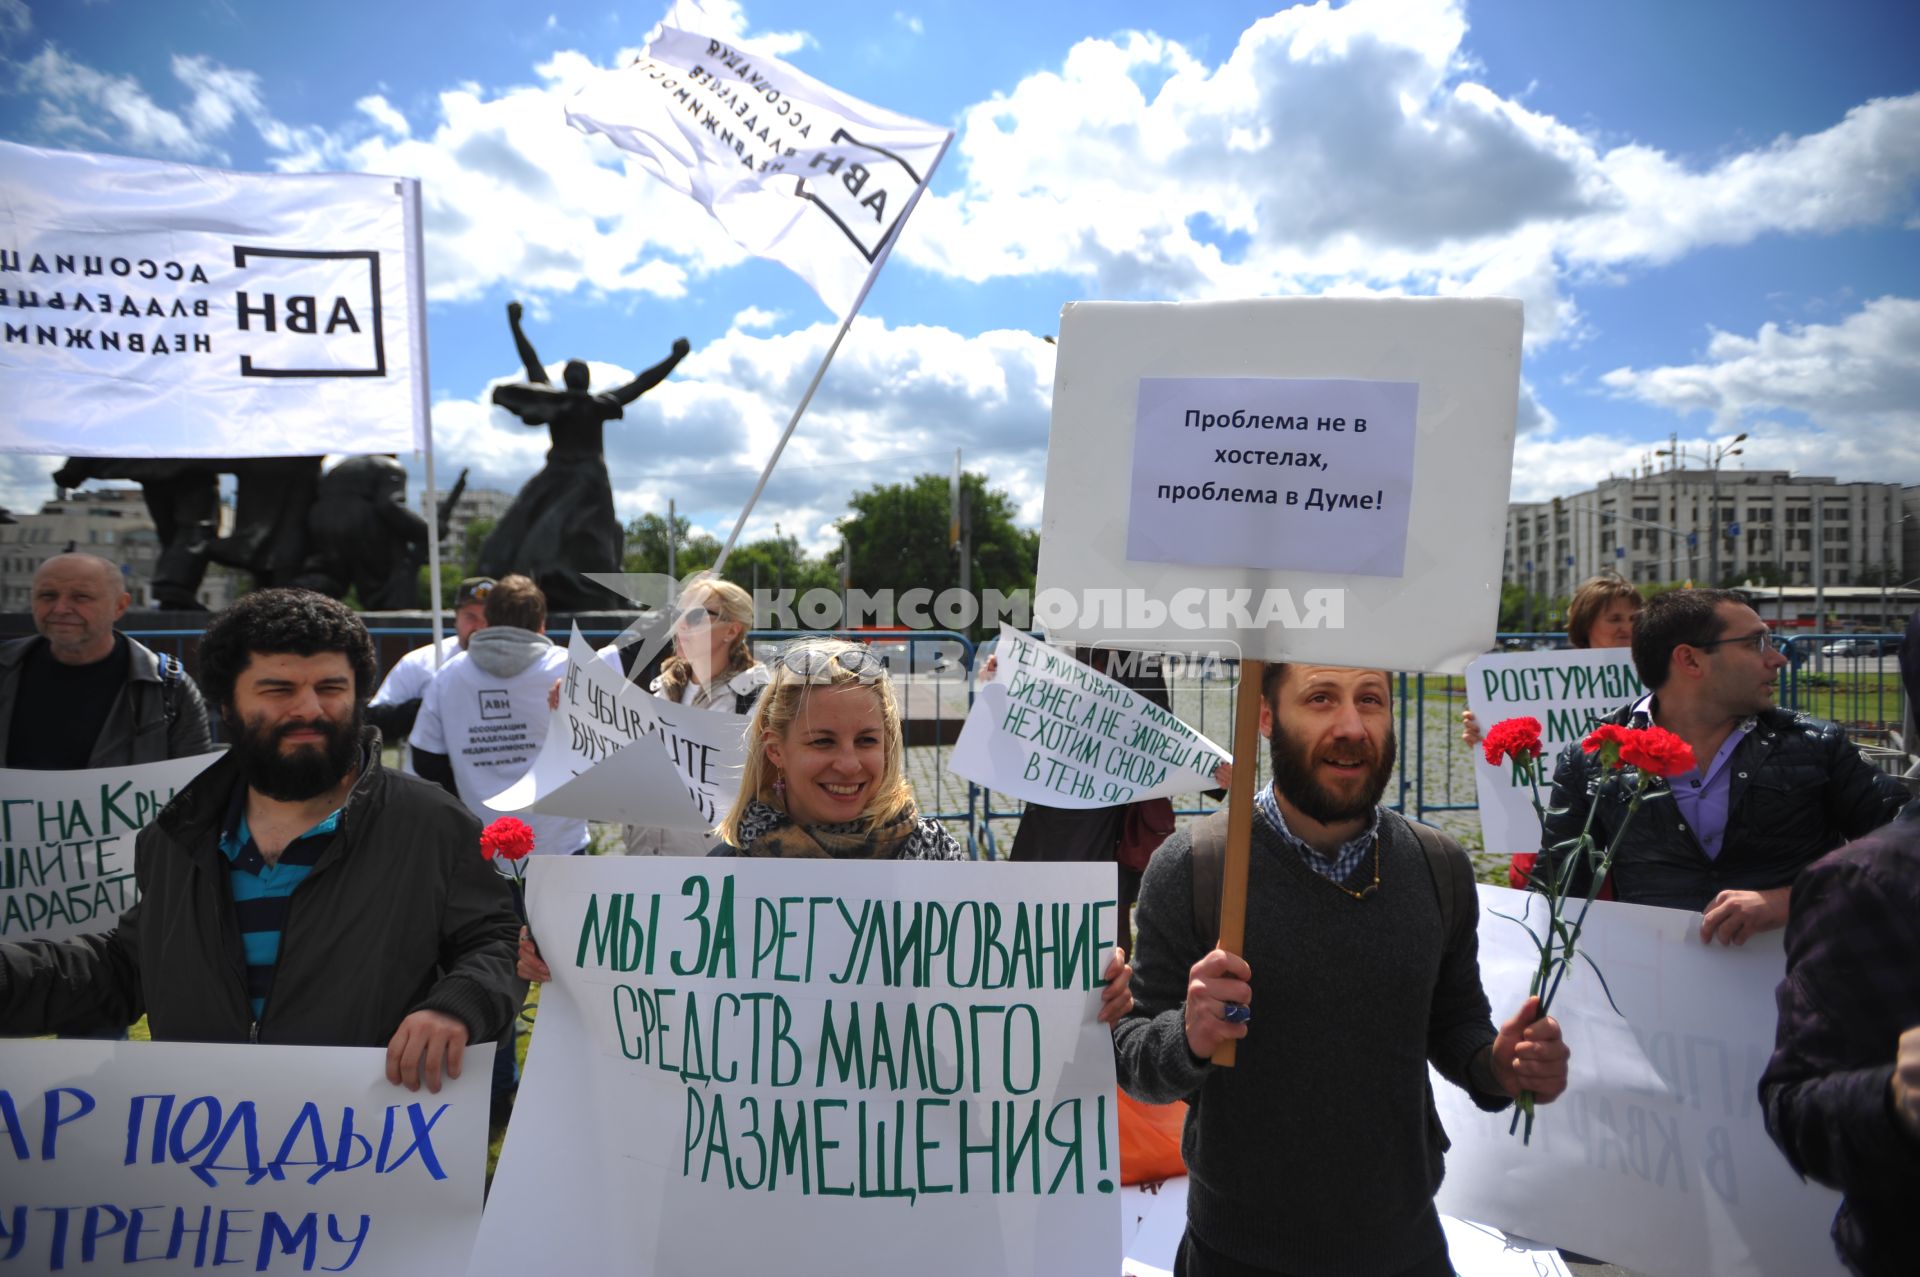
(1770, 790)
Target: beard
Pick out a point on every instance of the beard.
(1294, 779)
(308, 771)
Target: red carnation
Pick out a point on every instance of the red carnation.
(1513, 738)
(506, 838)
(1657, 751)
(1606, 740)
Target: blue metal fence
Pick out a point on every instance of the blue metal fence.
(1850, 678)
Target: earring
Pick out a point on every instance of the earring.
(780, 786)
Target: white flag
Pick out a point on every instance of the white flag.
(793, 169)
(164, 310)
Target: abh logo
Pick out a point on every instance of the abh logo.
(862, 188)
(310, 313)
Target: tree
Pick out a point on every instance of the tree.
(897, 534)
(778, 563)
(647, 546)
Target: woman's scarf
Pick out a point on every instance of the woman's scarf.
(769, 832)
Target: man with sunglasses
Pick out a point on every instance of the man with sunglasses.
(1773, 789)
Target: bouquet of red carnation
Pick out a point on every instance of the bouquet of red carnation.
(506, 842)
(1653, 753)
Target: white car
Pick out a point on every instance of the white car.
(1851, 647)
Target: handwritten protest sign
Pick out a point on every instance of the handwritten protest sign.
(1331, 466)
(1568, 692)
(616, 752)
(744, 1062)
(1048, 729)
(180, 1157)
(66, 843)
(1656, 1158)
(1208, 482)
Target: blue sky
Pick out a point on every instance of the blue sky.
(1711, 210)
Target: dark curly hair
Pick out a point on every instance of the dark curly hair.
(296, 622)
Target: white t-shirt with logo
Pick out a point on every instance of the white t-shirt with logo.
(492, 728)
(408, 679)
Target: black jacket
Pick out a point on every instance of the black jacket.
(159, 716)
(1799, 789)
(401, 913)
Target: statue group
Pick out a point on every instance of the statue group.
(349, 528)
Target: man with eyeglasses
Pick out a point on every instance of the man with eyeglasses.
(1773, 789)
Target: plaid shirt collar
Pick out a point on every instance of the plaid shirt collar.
(1341, 866)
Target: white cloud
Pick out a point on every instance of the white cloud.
(1829, 398)
(909, 21)
(26, 481)
(515, 197)
(1340, 150)
(1352, 148)
(77, 101)
(382, 112)
(892, 407)
(15, 18)
(755, 317)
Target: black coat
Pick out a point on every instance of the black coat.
(1799, 789)
(401, 913)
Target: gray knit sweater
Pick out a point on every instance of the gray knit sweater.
(1320, 1152)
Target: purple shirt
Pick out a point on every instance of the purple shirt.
(1702, 796)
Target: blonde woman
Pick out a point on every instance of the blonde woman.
(825, 778)
(825, 772)
(711, 668)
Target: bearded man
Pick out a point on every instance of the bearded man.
(1320, 1152)
(296, 891)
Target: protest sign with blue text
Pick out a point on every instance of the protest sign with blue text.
(176, 1157)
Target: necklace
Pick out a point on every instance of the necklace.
(1367, 890)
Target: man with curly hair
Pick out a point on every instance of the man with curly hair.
(358, 896)
(1772, 790)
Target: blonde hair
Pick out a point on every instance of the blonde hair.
(784, 700)
(734, 604)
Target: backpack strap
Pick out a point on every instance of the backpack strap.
(1209, 875)
(1447, 863)
(173, 676)
(1452, 871)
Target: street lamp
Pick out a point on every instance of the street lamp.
(1691, 538)
(1716, 453)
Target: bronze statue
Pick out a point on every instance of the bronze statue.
(363, 535)
(183, 500)
(561, 525)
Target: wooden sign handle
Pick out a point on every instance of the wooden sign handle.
(1233, 877)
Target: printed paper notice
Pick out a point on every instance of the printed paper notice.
(1304, 474)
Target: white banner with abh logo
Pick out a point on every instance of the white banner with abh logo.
(794, 169)
(153, 309)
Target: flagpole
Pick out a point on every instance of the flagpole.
(423, 405)
(866, 286)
